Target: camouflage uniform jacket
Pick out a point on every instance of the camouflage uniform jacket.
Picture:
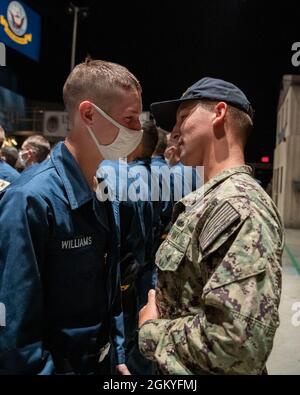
(219, 281)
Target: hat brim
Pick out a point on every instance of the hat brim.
(164, 113)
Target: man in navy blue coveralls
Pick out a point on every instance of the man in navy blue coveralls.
(59, 255)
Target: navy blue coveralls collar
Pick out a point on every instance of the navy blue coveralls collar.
(76, 186)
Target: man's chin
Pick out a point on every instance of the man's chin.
(186, 161)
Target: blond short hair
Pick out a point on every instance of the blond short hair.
(98, 81)
(39, 145)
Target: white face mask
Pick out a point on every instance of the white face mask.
(124, 144)
(21, 159)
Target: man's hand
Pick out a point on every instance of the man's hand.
(122, 370)
(149, 312)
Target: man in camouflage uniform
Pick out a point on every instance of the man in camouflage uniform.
(215, 310)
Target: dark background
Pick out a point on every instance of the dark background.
(169, 45)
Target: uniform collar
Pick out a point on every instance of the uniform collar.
(77, 189)
(193, 198)
(158, 157)
(141, 161)
(213, 182)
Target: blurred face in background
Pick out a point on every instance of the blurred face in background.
(26, 156)
(172, 152)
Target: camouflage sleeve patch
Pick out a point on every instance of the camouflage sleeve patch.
(222, 219)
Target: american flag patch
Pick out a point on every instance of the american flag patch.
(225, 216)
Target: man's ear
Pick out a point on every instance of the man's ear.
(86, 111)
(220, 110)
(30, 154)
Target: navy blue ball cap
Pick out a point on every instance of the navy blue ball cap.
(205, 89)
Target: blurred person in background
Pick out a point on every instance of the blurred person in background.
(159, 162)
(9, 155)
(159, 152)
(7, 172)
(182, 181)
(127, 180)
(172, 153)
(35, 149)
